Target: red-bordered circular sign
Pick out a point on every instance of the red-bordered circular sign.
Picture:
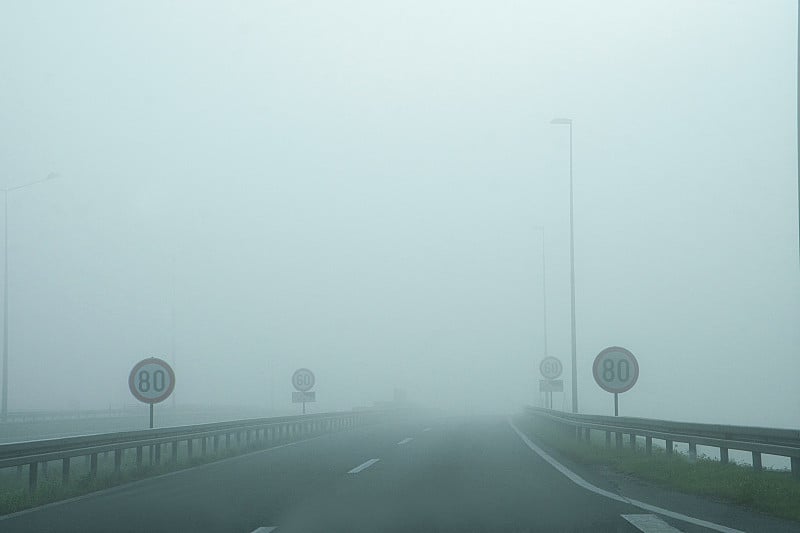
(303, 379)
(615, 369)
(151, 380)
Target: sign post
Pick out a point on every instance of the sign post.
(151, 381)
(616, 370)
(551, 368)
(303, 380)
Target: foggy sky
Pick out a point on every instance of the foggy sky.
(355, 187)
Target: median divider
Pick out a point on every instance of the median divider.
(196, 441)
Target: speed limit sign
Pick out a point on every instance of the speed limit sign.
(303, 379)
(616, 370)
(151, 380)
(550, 367)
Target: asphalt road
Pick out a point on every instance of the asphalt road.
(443, 475)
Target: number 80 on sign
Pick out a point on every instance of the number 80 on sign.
(151, 380)
(616, 369)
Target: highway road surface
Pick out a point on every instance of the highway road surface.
(444, 474)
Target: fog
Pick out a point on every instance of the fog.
(247, 188)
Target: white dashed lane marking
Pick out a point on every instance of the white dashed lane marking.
(405, 441)
(363, 466)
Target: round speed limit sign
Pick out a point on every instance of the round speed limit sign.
(550, 367)
(152, 380)
(616, 369)
(303, 379)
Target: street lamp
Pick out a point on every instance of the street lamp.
(568, 121)
(4, 411)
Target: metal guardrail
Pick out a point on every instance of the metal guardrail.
(44, 415)
(756, 440)
(247, 433)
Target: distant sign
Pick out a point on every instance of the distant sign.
(304, 397)
(151, 380)
(303, 379)
(550, 367)
(616, 369)
(551, 385)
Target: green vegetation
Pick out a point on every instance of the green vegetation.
(773, 492)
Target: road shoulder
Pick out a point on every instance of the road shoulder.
(705, 508)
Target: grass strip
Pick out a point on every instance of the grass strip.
(14, 498)
(773, 492)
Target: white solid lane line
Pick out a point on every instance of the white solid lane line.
(649, 523)
(264, 529)
(363, 466)
(405, 440)
(578, 480)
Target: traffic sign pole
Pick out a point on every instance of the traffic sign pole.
(151, 381)
(616, 371)
(303, 380)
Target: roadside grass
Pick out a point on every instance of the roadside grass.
(14, 494)
(771, 491)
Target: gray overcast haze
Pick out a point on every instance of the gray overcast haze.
(355, 187)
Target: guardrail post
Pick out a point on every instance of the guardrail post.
(588, 434)
(227, 441)
(669, 446)
(648, 445)
(795, 466)
(723, 455)
(65, 470)
(216, 443)
(175, 451)
(633, 441)
(203, 446)
(139, 454)
(33, 475)
(189, 447)
(158, 453)
(93, 465)
(608, 439)
(757, 460)
(619, 440)
(117, 460)
(692, 452)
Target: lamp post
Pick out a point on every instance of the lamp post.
(568, 121)
(4, 411)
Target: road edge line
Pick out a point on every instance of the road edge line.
(575, 478)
